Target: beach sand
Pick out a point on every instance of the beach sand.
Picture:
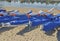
(10, 34)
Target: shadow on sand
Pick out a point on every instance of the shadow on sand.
(58, 35)
(3, 29)
(26, 30)
(51, 33)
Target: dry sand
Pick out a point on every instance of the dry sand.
(34, 35)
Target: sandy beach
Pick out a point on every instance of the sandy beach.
(10, 34)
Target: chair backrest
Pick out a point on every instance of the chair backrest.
(50, 26)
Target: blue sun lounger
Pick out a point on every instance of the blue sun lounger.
(5, 19)
(51, 25)
(19, 22)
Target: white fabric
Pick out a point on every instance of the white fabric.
(40, 11)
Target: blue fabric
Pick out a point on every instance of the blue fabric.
(2, 10)
(30, 12)
(11, 18)
(51, 25)
(58, 15)
(22, 17)
(18, 22)
(37, 21)
(8, 18)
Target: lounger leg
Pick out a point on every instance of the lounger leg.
(2, 24)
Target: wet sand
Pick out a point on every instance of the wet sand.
(10, 34)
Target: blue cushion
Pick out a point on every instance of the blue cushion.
(18, 22)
